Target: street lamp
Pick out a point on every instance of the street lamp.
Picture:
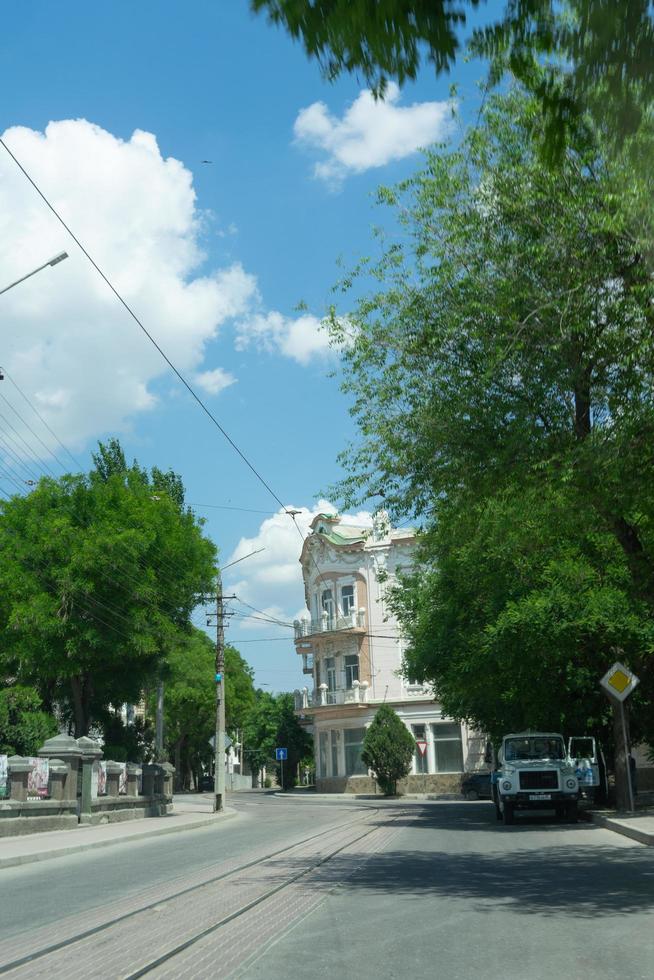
(55, 261)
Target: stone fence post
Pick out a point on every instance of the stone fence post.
(114, 770)
(90, 751)
(168, 773)
(58, 779)
(63, 750)
(19, 770)
(133, 773)
(153, 777)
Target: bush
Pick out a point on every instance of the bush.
(388, 748)
(24, 727)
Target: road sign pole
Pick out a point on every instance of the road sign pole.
(627, 757)
(281, 762)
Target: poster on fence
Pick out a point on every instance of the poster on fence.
(99, 779)
(122, 783)
(37, 778)
(4, 786)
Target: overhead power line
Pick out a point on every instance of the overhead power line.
(144, 329)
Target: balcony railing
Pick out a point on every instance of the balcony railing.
(326, 623)
(323, 697)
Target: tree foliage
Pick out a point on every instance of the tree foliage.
(503, 380)
(388, 749)
(99, 574)
(24, 726)
(576, 56)
(272, 723)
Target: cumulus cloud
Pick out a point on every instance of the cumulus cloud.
(303, 338)
(272, 580)
(215, 381)
(66, 339)
(371, 133)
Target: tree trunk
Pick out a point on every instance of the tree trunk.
(81, 696)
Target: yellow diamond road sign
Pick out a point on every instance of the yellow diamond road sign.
(619, 682)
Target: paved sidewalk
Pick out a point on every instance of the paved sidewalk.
(186, 815)
(638, 826)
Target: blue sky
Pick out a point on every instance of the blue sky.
(214, 257)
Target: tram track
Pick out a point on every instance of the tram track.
(49, 950)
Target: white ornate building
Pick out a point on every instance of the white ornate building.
(351, 648)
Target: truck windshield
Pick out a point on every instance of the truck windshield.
(516, 749)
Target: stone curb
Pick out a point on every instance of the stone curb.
(416, 797)
(21, 859)
(618, 827)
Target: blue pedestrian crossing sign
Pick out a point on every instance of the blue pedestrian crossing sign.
(281, 755)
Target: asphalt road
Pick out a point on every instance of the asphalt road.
(438, 890)
(458, 896)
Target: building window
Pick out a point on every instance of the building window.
(330, 679)
(448, 751)
(351, 670)
(328, 603)
(421, 761)
(322, 742)
(353, 740)
(334, 752)
(347, 599)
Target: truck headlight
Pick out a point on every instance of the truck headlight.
(571, 783)
(506, 785)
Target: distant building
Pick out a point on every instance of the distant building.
(351, 647)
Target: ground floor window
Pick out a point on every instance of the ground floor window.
(322, 743)
(448, 751)
(420, 759)
(353, 741)
(334, 753)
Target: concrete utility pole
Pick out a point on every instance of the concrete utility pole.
(219, 771)
(159, 723)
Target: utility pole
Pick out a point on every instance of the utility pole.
(159, 722)
(219, 770)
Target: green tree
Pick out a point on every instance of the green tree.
(190, 702)
(576, 56)
(517, 610)
(98, 576)
(272, 723)
(24, 726)
(506, 362)
(388, 749)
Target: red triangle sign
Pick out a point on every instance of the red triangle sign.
(421, 745)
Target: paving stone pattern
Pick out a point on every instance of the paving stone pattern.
(127, 946)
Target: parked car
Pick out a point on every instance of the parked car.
(206, 784)
(476, 786)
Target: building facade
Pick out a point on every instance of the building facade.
(351, 649)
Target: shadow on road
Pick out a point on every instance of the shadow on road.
(582, 881)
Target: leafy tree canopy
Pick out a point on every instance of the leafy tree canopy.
(272, 723)
(388, 749)
(502, 378)
(99, 574)
(605, 48)
(24, 726)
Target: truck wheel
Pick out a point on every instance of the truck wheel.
(572, 812)
(560, 810)
(498, 812)
(508, 814)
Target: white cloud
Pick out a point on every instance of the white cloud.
(302, 338)
(215, 381)
(371, 133)
(272, 580)
(66, 340)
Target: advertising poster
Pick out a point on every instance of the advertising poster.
(99, 779)
(37, 779)
(122, 785)
(4, 785)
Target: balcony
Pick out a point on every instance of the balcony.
(322, 697)
(329, 624)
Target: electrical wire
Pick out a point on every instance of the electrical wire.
(144, 329)
(30, 429)
(42, 420)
